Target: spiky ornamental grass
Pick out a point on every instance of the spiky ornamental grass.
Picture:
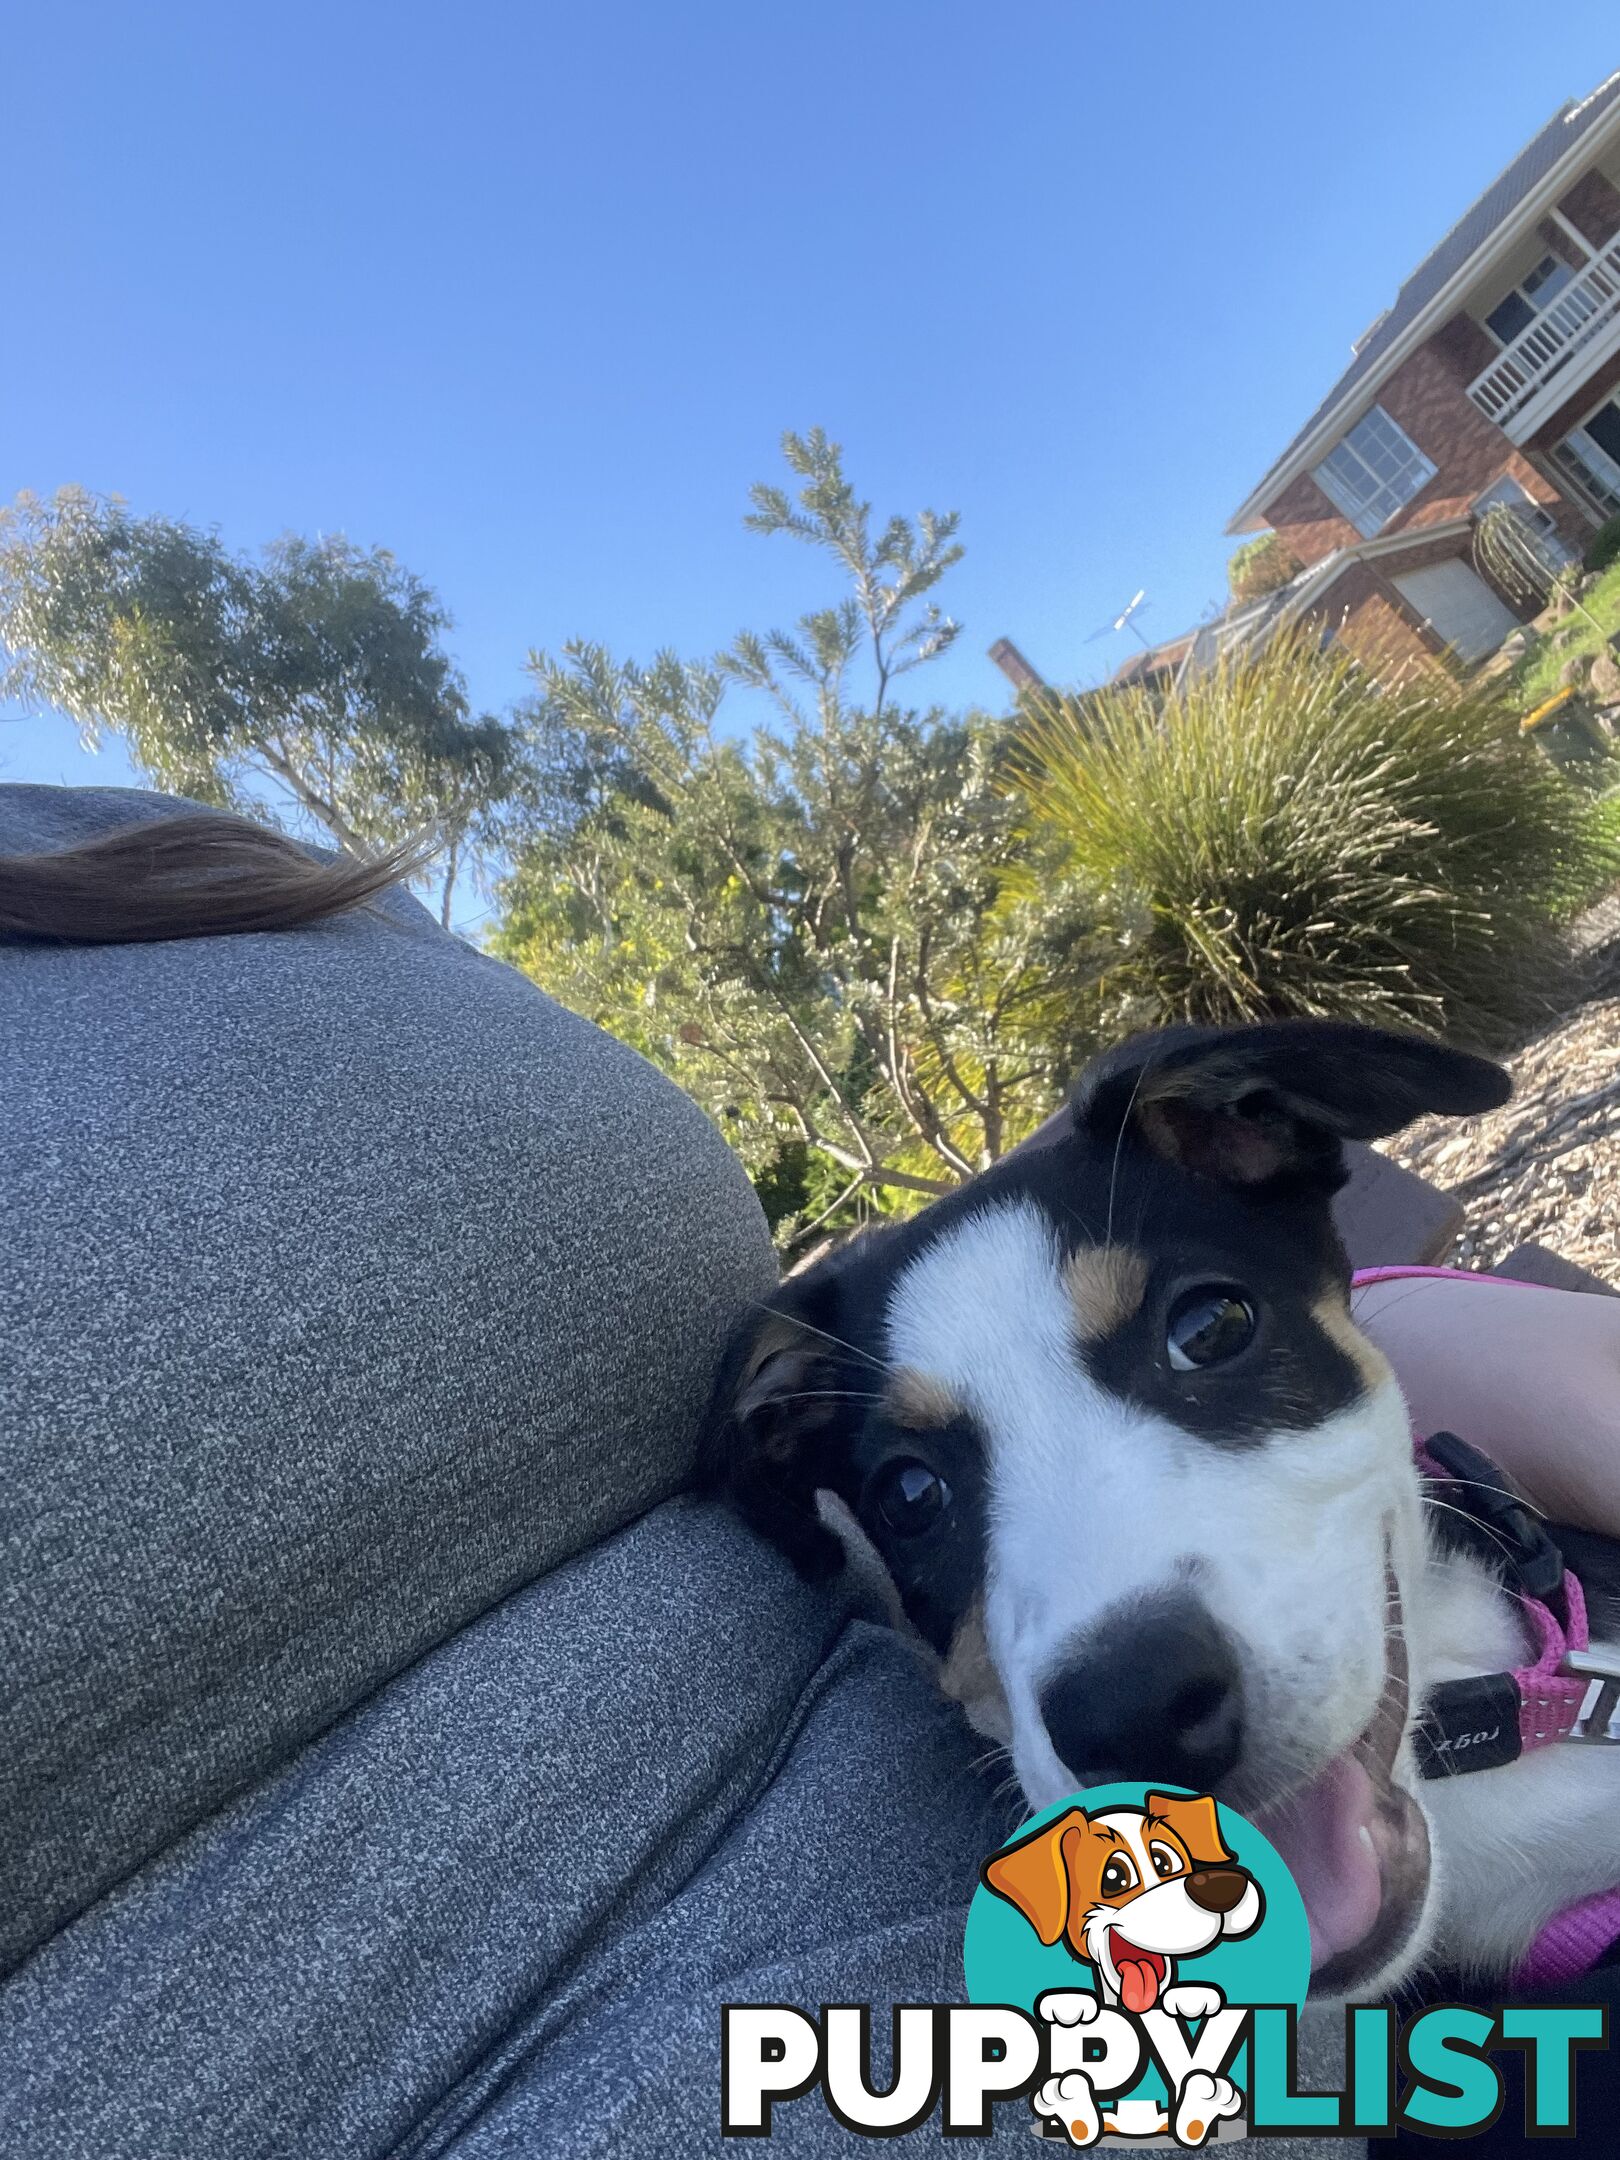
(1281, 836)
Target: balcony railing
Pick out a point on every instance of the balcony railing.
(1585, 308)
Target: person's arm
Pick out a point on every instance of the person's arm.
(1532, 1376)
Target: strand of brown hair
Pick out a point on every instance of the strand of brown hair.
(198, 874)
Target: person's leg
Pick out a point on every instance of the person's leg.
(349, 1284)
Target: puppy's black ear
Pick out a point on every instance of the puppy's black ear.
(773, 1435)
(1275, 1102)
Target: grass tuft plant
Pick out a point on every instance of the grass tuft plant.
(1282, 836)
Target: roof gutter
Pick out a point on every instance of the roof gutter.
(1331, 425)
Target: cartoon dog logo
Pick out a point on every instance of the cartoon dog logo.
(1130, 1890)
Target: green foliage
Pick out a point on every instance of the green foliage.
(1603, 551)
(1276, 837)
(1583, 634)
(824, 928)
(1260, 566)
(315, 673)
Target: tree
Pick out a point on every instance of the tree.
(312, 679)
(1524, 562)
(1260, 566)
(827, 929)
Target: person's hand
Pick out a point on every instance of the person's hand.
(1530, 1376)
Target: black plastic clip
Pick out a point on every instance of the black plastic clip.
(1510, 1535)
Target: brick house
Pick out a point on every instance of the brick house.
(1494, 377)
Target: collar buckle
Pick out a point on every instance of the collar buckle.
(1597, 1721)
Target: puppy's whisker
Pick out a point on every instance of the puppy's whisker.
(1506, 1492)
(828, 1394)
(1445, 1507)
(1119, 1142)
(838, 1342)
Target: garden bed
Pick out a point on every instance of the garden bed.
(1574, 636)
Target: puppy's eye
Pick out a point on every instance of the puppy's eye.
(1118, 1876)
(909, 1497)
(1207, 1326)
(1166, 1862)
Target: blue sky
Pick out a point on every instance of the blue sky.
(528, 292)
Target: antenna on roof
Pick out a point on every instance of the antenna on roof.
(1126, 620)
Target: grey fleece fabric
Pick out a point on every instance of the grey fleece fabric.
(383, 1770)
(347, 1284)
(497, 1908)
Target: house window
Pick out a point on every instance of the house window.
(1516, 311)
(1374, 472)
(1590, 455)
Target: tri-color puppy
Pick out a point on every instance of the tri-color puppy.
(1150, 1497)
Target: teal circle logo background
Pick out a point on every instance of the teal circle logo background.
(1005, 1961)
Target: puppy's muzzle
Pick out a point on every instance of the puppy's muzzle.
(1154, 1691)
(1217, 1890)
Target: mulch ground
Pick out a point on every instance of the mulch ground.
(1546, 1167)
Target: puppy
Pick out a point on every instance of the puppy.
(1130, 1890)
(1149, 1496)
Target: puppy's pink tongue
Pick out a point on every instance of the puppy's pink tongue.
(1138, 1985)
(1326, 1836)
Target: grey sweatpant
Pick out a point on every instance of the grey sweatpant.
(391, 1760)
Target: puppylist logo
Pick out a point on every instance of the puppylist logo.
(1136, 1960)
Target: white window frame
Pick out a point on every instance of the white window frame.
(1535, 306)
(1591, 468)
(1373, 480)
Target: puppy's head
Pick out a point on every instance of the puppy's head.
(1129, 1890)
(1135, 1474)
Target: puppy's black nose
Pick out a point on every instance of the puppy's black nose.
(1154, 1691)
(1217, 1889)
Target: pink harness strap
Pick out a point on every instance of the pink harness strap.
(1554, 1704)
(1569, 1945)
(1551, 1700)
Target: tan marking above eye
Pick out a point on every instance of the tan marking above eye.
(918, 1403)
(1332, 1316)
(1106, 1285)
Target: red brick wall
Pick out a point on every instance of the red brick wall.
(1308, 522)
(1558, 242)
(1429, 402)
(1427, 397)
(1593, 208)
(1370, 619)
(1466, 347)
